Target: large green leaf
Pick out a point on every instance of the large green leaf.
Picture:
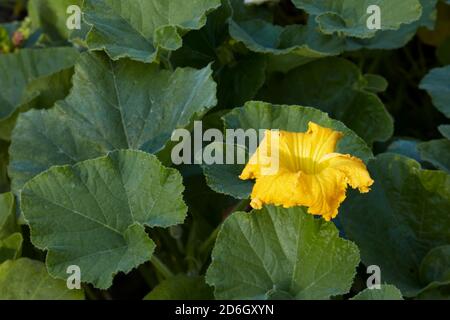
(93, 214)
(18, 70)
(386, 292)
(437, 152)
(341, 93)
(51, 16)
(400, 220)
(26, 279)
(281, 253)
(260, 115)
(8, 223)
(437, 83)
(138, 29)
(113, 105)
(349, 17)
(181, 287)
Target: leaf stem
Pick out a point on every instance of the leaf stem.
(161, 267)
(210, 241)
(144, 270)
(241, 206)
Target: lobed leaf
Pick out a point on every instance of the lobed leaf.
(400, 220)
(93, 214)
(139, 29)
(113, 105)
(278, 253)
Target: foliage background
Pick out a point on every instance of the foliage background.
(388, 91)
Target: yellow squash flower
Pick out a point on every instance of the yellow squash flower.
(309, 172)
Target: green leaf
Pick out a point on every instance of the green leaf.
(28, 65)
(201, 47)
(26, 279)
(337, 87)
(279, 253)
(223, 178)
(260, 115)
(386, 292)
(303, 41)
(113, 105)
(11, 247)
(437, 83)
(375, 83)
(8, 223)
(445, 130)
(182, 287)
(139, 29)
(394, 39)
(438, 293)
(349, 17)
(437, 152)
(406, 147)
(240, 82)
(93, 214)
(51, 16)
(400, 220)
(40, 93)
(435, 267)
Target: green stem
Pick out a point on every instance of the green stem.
(146, 275)
(161, 267)
(208, 244)
(241, 206)
(166, 61)
(210, 241)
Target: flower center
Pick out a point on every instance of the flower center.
(306, 165)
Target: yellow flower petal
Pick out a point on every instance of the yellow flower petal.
(354, 169)
(309, 173)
